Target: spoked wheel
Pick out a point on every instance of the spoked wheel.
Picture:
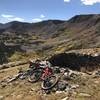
(35, 75)
(49, 82)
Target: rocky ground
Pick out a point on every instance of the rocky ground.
(84, 87)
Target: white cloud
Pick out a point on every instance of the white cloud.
(6, 16)
(16, 19)
(66, 0)
(90, 2)
(42, 16)
(36, 20)
(39, 19)
(11, 18)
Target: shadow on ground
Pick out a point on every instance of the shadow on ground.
(76, 61)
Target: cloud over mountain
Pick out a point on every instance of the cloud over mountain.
(90, 2)
(36, 20)
(11, 18)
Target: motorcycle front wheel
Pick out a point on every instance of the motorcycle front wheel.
(49, 82)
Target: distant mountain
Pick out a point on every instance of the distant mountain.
(30, 27)
(82, 18)
(81, 31)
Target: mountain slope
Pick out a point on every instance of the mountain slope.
(53, 36)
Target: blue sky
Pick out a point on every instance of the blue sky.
(38, 10)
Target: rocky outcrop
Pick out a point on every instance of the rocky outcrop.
(75, 61)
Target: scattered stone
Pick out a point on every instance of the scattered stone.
(66, 74)
(67, 89)
(97, 82)
(59, 92)
(66, 77)
(96, 74)
(84, 94)
(66, 98)
(96, 54)
(62, 70)
(74, 86)
(1, 97)
(73, 75)
(32, 89)
(13, 95)
(74, 93)
(19, 96)
(11, 79)
(89, 73)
